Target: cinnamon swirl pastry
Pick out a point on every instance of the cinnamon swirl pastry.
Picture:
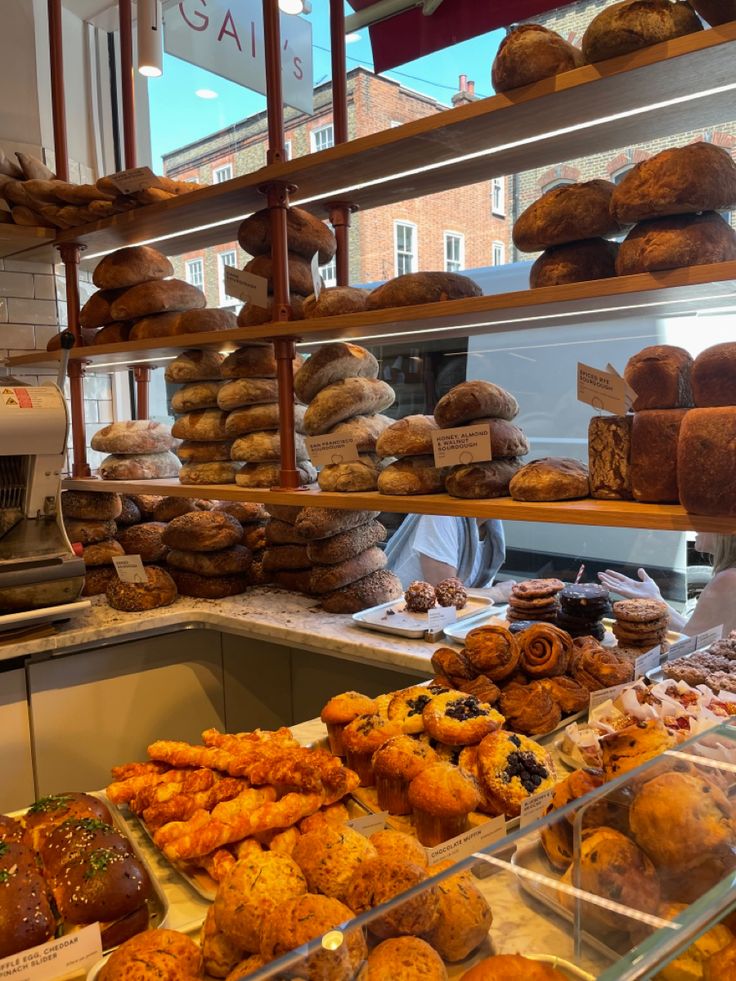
(545, 650)
(529, 709)
(493, 651)
(594, 667)
(569, 694)
(452, 664)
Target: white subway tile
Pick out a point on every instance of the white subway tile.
(90, 411)
(3, 311)
(16, 284)
(104, 411)
(25, 311)
(44, 287)
(17, 336)
(22, 265)
(44, 335)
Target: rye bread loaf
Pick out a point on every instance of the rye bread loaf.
(254, 361)
(264, 447)
(332, 363)
(90, 505)
(269, 474)
(714, 375)
(252, 316)
(260, 418)
(215, 451)
(114, 333)
(676, 242)
(410, 436)
(160, 296)
(609, 457)
(209, 587)
(347, 544)
(679, 180)
(157, 325)
(300, 272)
(96, 311)
(139, 466)
(413, 475)
(507, 440)
(145, 540)
(203, 531)
(247, 391)
(553, 478)
(195, 365)
(146, 504)
(529, 53)
(199, 321)
(480, 480)
(346, 478)
(365, 430)
(282, 533)
(372, 590)
(89, 532)
(297, 581)
(706, 461)
(224, 562)
(346, 398)
(195, 395)
(130, 266)
(254, 538)
(566, 214)
(213, 472)
(204, 425)
(97, 579)
(574, 262)
(101, 553)
(317, 523)
(327, 578)
(335, 301)
(474, 400)
(660, 375)
(284, 512)
(279, 557)
(654, 439)
(305, 235)
(130, 515)
(169, 508)
(633, 24)
(246, 513)
(159, 590)
(422, 287)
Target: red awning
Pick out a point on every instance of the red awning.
(410, 35)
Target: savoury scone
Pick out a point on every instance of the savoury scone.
(464, 921)
(403, 959)
(219, 953)
(512, 967)
(169, 953)
(396, 846)
(330, 857)
(379, 880)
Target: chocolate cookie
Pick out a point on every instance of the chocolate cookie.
(536, 588)
(584, 594)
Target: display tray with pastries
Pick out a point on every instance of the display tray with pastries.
(403, 618)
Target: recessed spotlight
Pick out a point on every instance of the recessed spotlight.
(206, 94)
(352, 37)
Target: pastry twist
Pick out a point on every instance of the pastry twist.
(529, 709)
(545, 650)
(493, 651)
(595, 668)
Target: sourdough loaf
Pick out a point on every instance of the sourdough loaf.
(317, 523)
(159, 590)
(474, 400)
(671, 243)
(552, 478)
(253, 361)
(196, 395)
(574, 262)
(169, 508)
(145, 540)
(335, 301)
(327, 578)
(215, 451)
(252, 316)
(339, 548)
(204, 425)
(157, 325)
(211, 472)
(480, 480)
(269, 474)
(209, 587)
(279, 557)
(130, 266)
(300, 272)
(346, 478)
(198, 321)
(114, 333)
(246, 513)
(654, 439)
(706, 461)
(203, 531)
(422, 287)
(101, 553)
(413, 475)
(566, 214)
(529, 53)
(660, 376)
(507, 440)
(714, 375)
(365, 430)
(715, 11)
(305, 234)
(247, 391)
(89, 504)
(157, 297)
(346, 398)
(332, 363)
(195, 365)
(223, 562)
(96, 311)
(89, 532)
(139, 466)
(609, 455)
(265, 447)
(633, 24)
(257, 418)
(372, 590)
(410, 436)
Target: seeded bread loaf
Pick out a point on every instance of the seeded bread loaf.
(480, 480)
(413, 475)
(216, 451)
(660, 375)
(333, 363)
(247, 391)
(372, 590)
(169, 508)
(574, 262)
(196, 395)
(195, 365)
(305, 234)
(296, 581)
(97, 579)
(259, 418)
(566, 213)
(529, 53)
(282, 533)
(137, 436)
(346, 398)
(145, 540)
(714, 375)
(139, 466)
(89, 504)
(623, 27)
(204, 425)
(254, 361)
(474, 400)
(676, 242)
(159, 590)
(609, 457)
(203, 531)
(265, 447)
(345, 545)
(706, 461)
(654, 439)
(327, 578)
(228, 561)
(209, 587)
(279, 557)
(130, 266)
(246, 513)
(160, 296)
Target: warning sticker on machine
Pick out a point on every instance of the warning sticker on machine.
(44, 397)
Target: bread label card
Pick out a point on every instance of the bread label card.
(630, 393)
(469, 842)
(326, 450)
(648, 661)
(440, 617)
(466, 444)
(135, 179)
(682, 648)
(369, 823)
(316, 278)
(69, 956)
(603, 390)
(709, 637)
(246, 287)
(536, 806)
(130, 568)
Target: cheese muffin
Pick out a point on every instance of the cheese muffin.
(341, 710)
(395, 765)
(441, 800)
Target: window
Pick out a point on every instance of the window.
(287, 149)
(562, 182)
(620, 174)
(329, 272)
(454, 251)
(322, 138)
(224, 173)
(498, 188)
(406, 247)
(229, 258)
(498, 254)
(195, 273)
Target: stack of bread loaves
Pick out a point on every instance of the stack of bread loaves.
(206, 558)
(253, 518)
(414, 472)
(285, 559)
(90, 519)
(139, 450)
(345, 398)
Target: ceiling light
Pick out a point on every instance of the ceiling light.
(352, 37)
(150, 38)
(295, 6)
(206, 94)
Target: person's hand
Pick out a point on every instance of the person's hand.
(646, 588)
(501, 591)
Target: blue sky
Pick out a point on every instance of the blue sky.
(179, 116)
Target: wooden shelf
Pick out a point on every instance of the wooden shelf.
(681, 85)
(616, 514)
(676, 291)
(19, 238)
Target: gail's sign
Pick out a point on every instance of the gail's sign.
(226, 38)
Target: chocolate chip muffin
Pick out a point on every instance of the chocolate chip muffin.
(441, 799)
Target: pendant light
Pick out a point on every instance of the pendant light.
(150, 38)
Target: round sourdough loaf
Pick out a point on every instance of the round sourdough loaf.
(247, 391)
(550, 479)
(282, 533)
(208, 587)
(101, 553)
(145, 540)
(574, 262)
(680, 180)
(208, 473)
(252, 316)
(529, 53)
(279, 557)
(139, 466)
(223, 562)
(474, 400)
(114, 333)
(258, 418)
(479, 480)
(346, 544)
(284, 512)
(422, 287)
(671, 243)
(334, 301)
(365, 430)
(714, 375)
(96, 311)
(254, 538)
(254, 361)
(305, 234)
(332, 363)
(195, 365)
(146, 504)
(327, 578)
(157, 325)
(265, 447)
(633, 24)
(97, 580)
(300, 272)
(195, 395)
(203, 531)
(507, 440)
(246, 514)
(413, 475)
(566, 214)
(88, 504)
(372, 590)
(269, 474)
(410, 436)
(199, 321)
(159, 296)
(317, 523)
(204, 425)
(346, 398)
(130, 266)
(169, 508)
(215, 451)
(346, 478)
(661, 377)
(297, 581)
(160, 590)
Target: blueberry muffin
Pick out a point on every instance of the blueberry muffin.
(512, 768)
(407, 706)
(458, 719)
(341, 710)
(330, 857)
(361, 738)
(395, 765)
(441, 799)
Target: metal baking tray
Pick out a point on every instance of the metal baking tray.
(394, 618)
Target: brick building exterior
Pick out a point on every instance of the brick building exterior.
(457, 229)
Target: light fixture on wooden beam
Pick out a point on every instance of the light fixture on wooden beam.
(150, 38)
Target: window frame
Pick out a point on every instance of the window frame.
(460, 238)
(321, 129)
(415, 245)
(188, 263)
(217, 170)
(501, 246)
(225, 299)
(500, 183)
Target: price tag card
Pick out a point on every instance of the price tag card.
(602, 389)
(369, 824)
(647, 662)
(130, 568)
(316, 278)
(440, 617)
(628, 390)
(709, 637)
(469, 842)
(246, 287)
(682, 648)
(535, 807)
(135, 179)
(605, 694)
(72, 955)
(325, 450)
(466, 444)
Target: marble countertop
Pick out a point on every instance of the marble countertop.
(264, 612)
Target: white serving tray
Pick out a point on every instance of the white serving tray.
(394, 618)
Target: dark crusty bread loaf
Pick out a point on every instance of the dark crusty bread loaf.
(507, 440)
(160, 590)
(137, 436)
(334, 301)
(660, 376)
(246, 513)
(422, 287)
(529, 53)
(247, 391)
(285, 557)
(623, 27)
(609, 455)
(296, 580)
(160, 296)
(139, 466)
(714, 375)
(327, 578)
(357, 475)
(252, 316)
(254, 361)
(130, 514)
(300, 272)
(332, 363)
(146, 504)
(265, 447)
(97, 579)
(130, 266)
(329, 551)
(574, 262)
(88, 504)
(679, 180)
(671, 243)
(89, 532)
(96, 311)
(223, 562)
(346, 398)
(317, 523)
(480, 480)
(306, 235)
(282, 533)
(195, 365)
(199, 321)
(365, 430)
(215, 451)
(257, 418)
(203, 531)
(552, 478)
(169, 508)
(372, 590)
(474, 400)
(209, 587)
(213, 472)
(145, 540)
(566, 214)
(254, 538)
(114, 333)
(706, 461)
(283, 512)
(413, 475)
(101, 553)
(195, 395)
(204, 425)
(654, 438)
(410, 436)
(269, 474)
(157, 325)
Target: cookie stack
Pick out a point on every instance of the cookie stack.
(475, 402)
(139, 450)
(640, 625)
(534, 600)
(206, 558)
(414, 472)
(582, 607)
(90, 519)
(345, 398)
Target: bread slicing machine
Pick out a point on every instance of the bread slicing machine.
(39, 569)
